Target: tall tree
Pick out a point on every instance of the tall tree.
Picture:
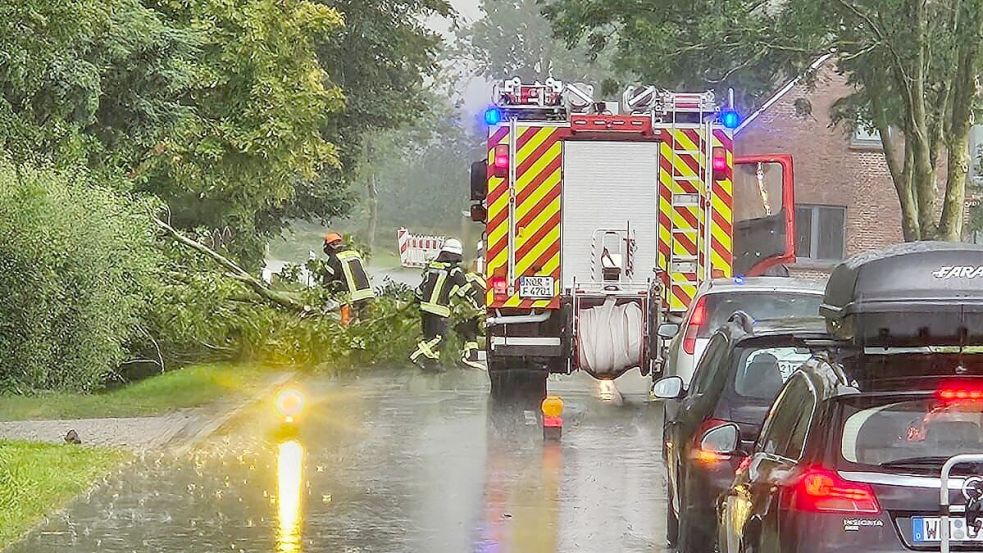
(421, 170)
(514, 38)
(260, 98)
(96, 81)
(913, 64)
(382, 58)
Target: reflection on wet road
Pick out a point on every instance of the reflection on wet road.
(394, 462)
(289, 475)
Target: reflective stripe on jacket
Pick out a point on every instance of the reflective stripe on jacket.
(346, 267)
(476, 289)
(441, 281)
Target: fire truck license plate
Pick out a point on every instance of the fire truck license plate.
(536, 287)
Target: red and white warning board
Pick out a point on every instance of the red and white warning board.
(416, 250)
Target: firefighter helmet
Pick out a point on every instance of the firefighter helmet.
(452, 245)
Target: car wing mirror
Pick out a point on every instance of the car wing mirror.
(668, 330)
(725, 439)
(670, 387)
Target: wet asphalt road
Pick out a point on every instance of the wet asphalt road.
(393, 462)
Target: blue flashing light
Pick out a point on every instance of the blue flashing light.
(739, 280)
(493, 116)
(730, 118)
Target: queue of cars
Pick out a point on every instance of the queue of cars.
(817, 434)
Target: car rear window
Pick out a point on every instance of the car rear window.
(760, 305)
(761, 372)
(917, 433)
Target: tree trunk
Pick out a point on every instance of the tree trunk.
(909, 204)
(923, 173)
(951, 222)
(373, 196)
(963, 88)
(898, 164)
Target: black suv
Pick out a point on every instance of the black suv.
(850, 456)
(742, 370)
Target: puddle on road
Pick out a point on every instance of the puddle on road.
(390, 463)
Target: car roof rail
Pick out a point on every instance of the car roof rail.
(743, 319)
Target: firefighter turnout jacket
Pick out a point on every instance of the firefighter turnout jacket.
(441, 282)
(471, 301)
(346, 268)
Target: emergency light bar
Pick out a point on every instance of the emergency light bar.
(730, 119)
(493, 116)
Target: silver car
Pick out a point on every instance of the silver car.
(717, 300)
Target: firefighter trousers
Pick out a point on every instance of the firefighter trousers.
(468, 330)
(434, 332)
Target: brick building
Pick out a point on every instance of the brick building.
(845, 200)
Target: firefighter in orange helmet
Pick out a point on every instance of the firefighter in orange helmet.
(346, 271)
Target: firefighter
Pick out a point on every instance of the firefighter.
(469, 311)
(346, 271)
(443, 279)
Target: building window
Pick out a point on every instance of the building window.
(865, 138)
(820, 232)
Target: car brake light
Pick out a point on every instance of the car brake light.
(703, 456)
(696, 322)
(960, 392)
(821, 490)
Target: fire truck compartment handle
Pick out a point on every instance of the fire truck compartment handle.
(500, 319)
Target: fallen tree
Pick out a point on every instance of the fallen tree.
(239, 274)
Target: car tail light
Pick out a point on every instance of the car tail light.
(703, 456)
(502, 160)
(696, 322)
(960, 392)
(821, 490)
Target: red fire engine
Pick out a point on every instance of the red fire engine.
(602, 219)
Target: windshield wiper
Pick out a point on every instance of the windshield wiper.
(915, 461)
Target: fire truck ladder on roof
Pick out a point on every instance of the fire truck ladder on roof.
(684, 263)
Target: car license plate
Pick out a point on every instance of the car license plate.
(929, 529)
(536, 287)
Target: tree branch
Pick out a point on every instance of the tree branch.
(881, 37)
(234, 271)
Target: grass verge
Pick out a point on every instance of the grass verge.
(188, 387)
(37, 479)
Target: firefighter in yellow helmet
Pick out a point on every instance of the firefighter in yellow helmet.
(442, 280)
(346, 271)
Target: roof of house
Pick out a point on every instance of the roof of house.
(783, 91)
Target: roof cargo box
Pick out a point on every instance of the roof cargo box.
(923, 293)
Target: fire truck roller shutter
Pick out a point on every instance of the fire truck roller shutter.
(608, 185)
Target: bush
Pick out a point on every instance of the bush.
(74, 262)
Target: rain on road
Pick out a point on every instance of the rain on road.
(393, 462)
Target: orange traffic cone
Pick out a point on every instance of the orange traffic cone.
(346, 315)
